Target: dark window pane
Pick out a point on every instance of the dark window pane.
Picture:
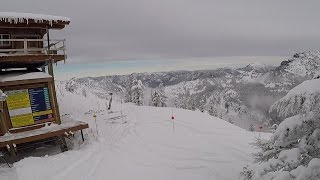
(6, 36)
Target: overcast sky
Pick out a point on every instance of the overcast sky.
(104, 30)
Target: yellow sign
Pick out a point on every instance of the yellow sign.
(42, 113)
(22, 120)
(18, 99)
(19, 106)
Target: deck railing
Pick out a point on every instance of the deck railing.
(33, 46)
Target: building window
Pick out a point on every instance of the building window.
(5, 43)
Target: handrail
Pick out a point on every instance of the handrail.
(57, 46)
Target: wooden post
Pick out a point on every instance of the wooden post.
(3, 124)
(25, 46)
(4, 120)
(54, 94)
(64, 50)
(48, 40)
(53, 87)
(43, 69)
(63, 144)
(13, 154)
(82, 136)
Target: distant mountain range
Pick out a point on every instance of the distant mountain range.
(241, 96)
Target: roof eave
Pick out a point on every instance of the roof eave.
(32, 24)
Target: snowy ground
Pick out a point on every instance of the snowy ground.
(145, 147)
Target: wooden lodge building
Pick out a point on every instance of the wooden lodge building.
(30, 111)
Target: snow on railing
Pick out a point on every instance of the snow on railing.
(33, 46)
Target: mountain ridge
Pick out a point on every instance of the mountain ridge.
(242, 96)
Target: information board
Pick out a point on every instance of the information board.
(29, 106)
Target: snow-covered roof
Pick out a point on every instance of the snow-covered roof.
(16, 76)
(15, 18)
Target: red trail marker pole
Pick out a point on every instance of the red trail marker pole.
(260, 129)
(172, 118)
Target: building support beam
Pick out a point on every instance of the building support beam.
(53, 87)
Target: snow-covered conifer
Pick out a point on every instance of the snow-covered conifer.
(158, 97)
(136, 92)
(292, 150)
(84, 92)
(251, 127)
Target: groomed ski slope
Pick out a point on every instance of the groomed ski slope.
(144, 148)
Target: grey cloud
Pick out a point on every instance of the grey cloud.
(146, 29)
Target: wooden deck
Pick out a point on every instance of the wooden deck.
(28, 60)
(42, 133)
(21, 53)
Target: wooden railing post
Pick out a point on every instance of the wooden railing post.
(25, 46)
(53, 91)
(53, 47)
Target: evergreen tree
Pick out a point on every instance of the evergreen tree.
(84, 92)
(158, 97)
(127, 94)
(136, 92)
(251, 128)
(71, 85)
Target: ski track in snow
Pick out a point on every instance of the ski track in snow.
(146, 147)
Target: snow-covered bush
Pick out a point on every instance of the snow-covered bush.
(71, 85)
(292, 153)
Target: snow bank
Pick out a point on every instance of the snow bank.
(14, 18)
